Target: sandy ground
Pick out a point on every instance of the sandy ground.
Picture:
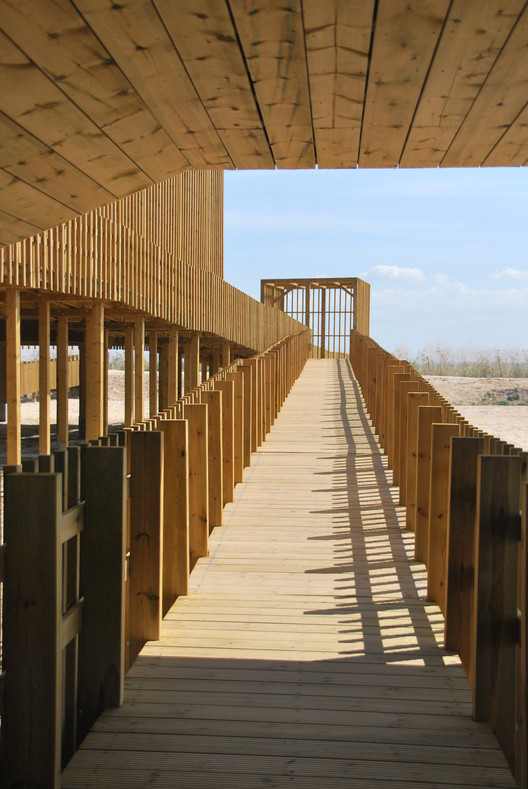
(474, 398)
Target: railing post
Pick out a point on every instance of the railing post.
(238, 380)
(213, 400)
(196, 414)
(146, 539)
(415, 400)
(228, 438)
(102, 640)
(427, 415)
(32, 720)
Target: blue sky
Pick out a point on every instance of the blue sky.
(445, 251)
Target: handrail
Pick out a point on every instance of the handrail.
(465, 494)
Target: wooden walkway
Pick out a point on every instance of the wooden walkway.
(306, 655)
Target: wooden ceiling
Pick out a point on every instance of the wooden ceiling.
(100, 98)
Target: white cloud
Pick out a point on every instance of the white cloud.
(400, 273)
(510, 273)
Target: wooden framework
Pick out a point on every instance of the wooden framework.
(330, 307)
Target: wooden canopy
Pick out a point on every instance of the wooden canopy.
(101, 98)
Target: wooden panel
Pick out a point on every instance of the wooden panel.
(473, 37)
(272, 39)
(141, 47)
(405, 38)
(497, 105)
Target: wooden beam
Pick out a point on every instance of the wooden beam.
(13, 377)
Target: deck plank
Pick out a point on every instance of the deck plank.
(305, 654)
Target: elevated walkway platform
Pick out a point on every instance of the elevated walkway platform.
(305, 655)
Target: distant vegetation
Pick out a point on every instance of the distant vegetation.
(438, 359)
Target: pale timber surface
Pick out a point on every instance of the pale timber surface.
(305, 655)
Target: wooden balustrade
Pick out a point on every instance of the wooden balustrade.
(466, 498)
(74, 620)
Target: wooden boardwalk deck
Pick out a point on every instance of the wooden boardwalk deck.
(306, 655)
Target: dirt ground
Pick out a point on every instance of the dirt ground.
(497, 405)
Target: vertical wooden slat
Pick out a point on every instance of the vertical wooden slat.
(228, 438)
(427, 415)
(129, 377)
(153, 373)
(238, 380)
(196, 415)
(94, 349)
(62, 380)
(44, 377)
(213, 400)
(139, 369)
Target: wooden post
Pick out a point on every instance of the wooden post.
(496, 569)
(406, 387)
(102, 642)
(238, 380)
(139, 369)
(213, 400)
(173, 366)
(461, 547)
(322, 324)
(415, 399)
(153, 373)
(62, 381)
(226, 355)
(192, 370)
(105, 382)
(82, 389)
(438, 512)
(215, 361)
(44, 378)
(521, 716)
(146, 538)
(14, 452)
(94, 347)
(427, 415)
(32, 647)
(246, 371)
(228, 437)
(252, 364)
(175, 511)
(129, 376)
(164, 401)
(196, 415)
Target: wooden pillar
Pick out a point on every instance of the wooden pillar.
(13, 377)
(94, 348)
(213, 400)
(228, 414)
(238, 380)
(139, 368)
(62, 380)
(82, 390)
(226, 355)
(44, 378)
(215, 362)
(164, 401)
(153, 373)
(105, 382)
(174, 366)
(323, 322)
(193, 371)
(129, 376)
(196, 415)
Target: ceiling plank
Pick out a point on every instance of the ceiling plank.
(338, 35)
(134, 34)
(13, 229)
(22, 200)
(405, 38)
(272, 37)
(472, 39)
(501, 99)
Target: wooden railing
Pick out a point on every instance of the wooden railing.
(76, 614)
(465, 495)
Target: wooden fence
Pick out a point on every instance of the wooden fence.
(77, 613)
(465, 495)
(29, 375)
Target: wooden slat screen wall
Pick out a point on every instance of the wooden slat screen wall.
(160, 252)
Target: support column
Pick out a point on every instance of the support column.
(226, 355)
(44, 378)
(14, 452)
(105, 382)
(62, 381)
(139, 367)
(194, 362)
(173, 366)
(215, 362)
(129, 377)
(164, 401)
(94, 349)
(323, 322)
(153, 372)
